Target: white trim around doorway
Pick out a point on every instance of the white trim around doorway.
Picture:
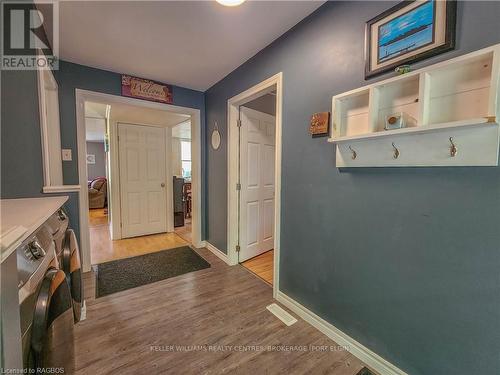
(274, 82)
(84, 95)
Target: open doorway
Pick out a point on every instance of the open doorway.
(136, 207)
(182, 170)
(257, 150)
(254, 179)
(96, 120)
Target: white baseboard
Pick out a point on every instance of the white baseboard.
(201, 244)
(370, 358)
(216, 252)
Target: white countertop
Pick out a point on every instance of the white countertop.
(19, 218)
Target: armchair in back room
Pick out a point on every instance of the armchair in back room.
(98, 192)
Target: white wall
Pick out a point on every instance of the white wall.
(176, 157)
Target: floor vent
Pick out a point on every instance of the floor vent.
(281, 314)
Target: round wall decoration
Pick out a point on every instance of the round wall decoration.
(216, 137)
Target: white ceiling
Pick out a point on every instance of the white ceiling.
(95, 129)
(95, 125)
(182, 130)
(97, 110)
(192, 44)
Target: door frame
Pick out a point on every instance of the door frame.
(81, 96)
(233, 105)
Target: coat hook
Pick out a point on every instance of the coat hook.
(453, 148)
(396, 151)
(354, 153)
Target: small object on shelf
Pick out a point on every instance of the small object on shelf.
(396, 151)
(354, 153)
(399, 120)
(319, 124)
(453, 148)
(403, 69)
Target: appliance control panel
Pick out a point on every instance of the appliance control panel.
(32, 253)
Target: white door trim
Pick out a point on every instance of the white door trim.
(232, 160)
(85, 95)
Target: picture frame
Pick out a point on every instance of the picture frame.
(90, 159)
(410, 31)
(320, 124)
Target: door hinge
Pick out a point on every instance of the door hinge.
(238, 123)
(121, 224)
(238, 186)
(238, 248)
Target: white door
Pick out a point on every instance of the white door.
(257, 154)
(142, 179)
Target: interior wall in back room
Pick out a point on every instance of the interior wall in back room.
(403, 260)
(99, 168)
(72, 76)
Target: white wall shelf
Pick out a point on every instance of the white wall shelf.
(453, 104)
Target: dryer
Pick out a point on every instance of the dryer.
(45, 304)
(71, 265)
(68, 255)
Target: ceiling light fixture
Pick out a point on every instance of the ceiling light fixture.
(230, 3)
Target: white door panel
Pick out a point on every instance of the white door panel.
(142, 160)
(252, 223)
(253, 165)
(257, 158)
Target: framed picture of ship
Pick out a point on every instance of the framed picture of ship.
(409, 32)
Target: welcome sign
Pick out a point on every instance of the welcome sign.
(146, 89)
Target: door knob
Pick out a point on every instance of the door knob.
(162, 184)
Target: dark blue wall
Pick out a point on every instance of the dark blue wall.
(406, 260)
(21, 144)
(73, 76)
(22, 172)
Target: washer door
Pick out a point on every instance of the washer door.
(52, 340)
(72, 267)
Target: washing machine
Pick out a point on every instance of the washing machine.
(68, 256)
(45, 304)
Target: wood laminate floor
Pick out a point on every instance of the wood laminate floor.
(97, 217)
(261, 265)
(185, 231)
(103, 249)
(212, 321)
